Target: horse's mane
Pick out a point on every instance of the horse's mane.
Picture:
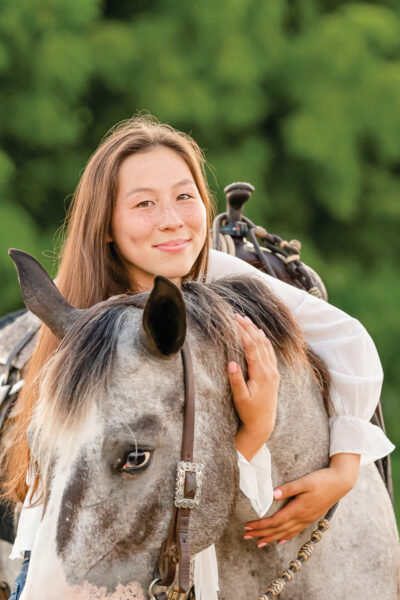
(84, 360)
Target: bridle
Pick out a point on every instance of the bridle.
(175, 549)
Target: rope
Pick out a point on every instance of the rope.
(315, 291)
(291, 258)
(305, 552)
(226, 244)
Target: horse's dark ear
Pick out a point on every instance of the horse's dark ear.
(164, 318)
(41, 295)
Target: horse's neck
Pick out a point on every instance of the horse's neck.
(300, 441)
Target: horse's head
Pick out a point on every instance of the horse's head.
(106, 436)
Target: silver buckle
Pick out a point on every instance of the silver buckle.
(182, 468)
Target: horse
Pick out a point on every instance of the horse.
(106, 436)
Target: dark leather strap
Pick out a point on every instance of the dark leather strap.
(176, 548)
(189, 409)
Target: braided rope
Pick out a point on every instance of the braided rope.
(305, 552)
(315, 291)
(291, 258)
(261, 232)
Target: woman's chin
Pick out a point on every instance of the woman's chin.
(176, 270)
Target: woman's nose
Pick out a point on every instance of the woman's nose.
(169, 218)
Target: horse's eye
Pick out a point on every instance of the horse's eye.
(135, 460)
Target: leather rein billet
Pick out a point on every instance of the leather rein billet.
(175, 549)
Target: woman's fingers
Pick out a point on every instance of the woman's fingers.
(251, 342)
(292, 488)
(280, 537)
(277, 521)
(289, 522)
(313, 495)
(254, 399)
(238, 384)
(288, 512)
(260, 355)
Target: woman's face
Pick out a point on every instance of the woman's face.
(159, 219)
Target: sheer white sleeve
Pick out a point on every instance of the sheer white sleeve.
(348, 351)
(255, 480)
(256, 483)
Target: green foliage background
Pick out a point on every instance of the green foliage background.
(299, 97)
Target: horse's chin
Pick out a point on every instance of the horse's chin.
(50, 579)
(112, 580)
(88, 591)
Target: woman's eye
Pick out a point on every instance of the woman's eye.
(135, 460)
(145, 204)
(187, 196)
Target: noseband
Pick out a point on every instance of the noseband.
(175, 549)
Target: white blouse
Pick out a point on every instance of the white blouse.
(356, 374)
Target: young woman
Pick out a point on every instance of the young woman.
(143, 208)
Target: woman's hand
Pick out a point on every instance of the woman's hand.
(255, 401)
(313, 495)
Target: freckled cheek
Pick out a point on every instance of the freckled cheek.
(129, 227)
(194, 216)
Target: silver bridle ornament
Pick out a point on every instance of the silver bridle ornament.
(183, 468)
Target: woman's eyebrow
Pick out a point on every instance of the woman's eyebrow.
(147, 189)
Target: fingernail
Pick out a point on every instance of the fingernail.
(247, 537)
(278, 494)
(247, 319)
(232, 367)
(282, 541)
(262, 544)
(263, 332)
(248, 529)
(238, 317)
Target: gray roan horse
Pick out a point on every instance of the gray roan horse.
(106, 438)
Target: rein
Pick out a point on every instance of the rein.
(276, 586)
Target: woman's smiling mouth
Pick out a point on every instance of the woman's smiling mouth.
(173, 245)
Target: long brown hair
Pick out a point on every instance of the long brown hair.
(90, 269)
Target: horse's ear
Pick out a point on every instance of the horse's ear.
(164, 318)
(41, 295)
